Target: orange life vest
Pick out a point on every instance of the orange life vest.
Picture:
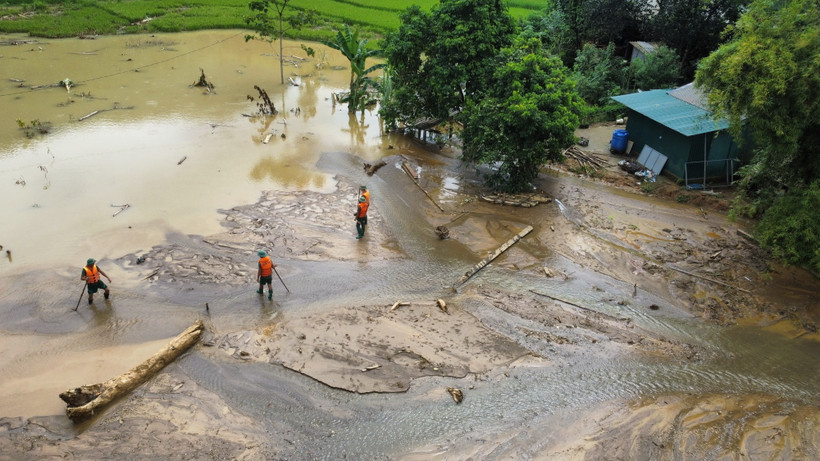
(266, 265)
(361, 212)
(366, 195)
(92, 275)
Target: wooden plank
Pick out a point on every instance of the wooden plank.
(492, 256)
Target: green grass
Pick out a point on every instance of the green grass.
(69, 18)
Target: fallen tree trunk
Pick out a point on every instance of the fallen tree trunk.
(494, 255)
(85, 401)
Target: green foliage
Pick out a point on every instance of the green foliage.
(526, 118)
(598, 74)
(693, 28)
(355, 50)
(34, 127)
(648, 187)
(444, 57)
(551, 28)
(768, 81)
(271, 19)
(791, 228)
(658, 70)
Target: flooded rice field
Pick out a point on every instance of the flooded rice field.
(620, 328)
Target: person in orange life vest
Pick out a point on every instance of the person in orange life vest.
(91, 275)
(363, 192)
(361, 216)
(265, 273)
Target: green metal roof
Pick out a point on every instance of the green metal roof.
(681, 116)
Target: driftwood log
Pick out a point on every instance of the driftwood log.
(85, 401)
(370, 169)
(494, 255)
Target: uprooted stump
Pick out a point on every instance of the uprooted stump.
(85, 401)
(203, 82)
(371, 169)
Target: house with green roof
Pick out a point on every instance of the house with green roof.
(678, 124)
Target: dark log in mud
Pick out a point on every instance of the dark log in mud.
(371, 169)
(85, 401)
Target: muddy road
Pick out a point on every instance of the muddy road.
(622, 326)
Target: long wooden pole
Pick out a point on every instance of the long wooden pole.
(280, 279)
(81, 296)
(494, 255)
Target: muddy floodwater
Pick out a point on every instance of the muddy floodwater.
(619, 327)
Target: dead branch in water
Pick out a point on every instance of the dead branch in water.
(96, 112)
(413, 176)
(265, 106)
(85, 401)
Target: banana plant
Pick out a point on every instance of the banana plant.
(355, 50)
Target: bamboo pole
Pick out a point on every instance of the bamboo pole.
(494, 255)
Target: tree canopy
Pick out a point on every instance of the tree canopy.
(767, 81)
(526, 118)
(441, 58)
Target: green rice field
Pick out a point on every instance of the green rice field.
(101, 17)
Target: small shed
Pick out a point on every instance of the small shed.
(640, 50)
(678, 124)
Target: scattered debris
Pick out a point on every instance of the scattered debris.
(267, 138)
(116, 106)
(443, 232)
(398, 304)
(371, 169)
(442, 305)
(522, 200)
(457, 395)
(182, 160)
(121, 209)
(585, 160)
(371, 367)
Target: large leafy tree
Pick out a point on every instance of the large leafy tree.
(442, 58)
(598, 73)
(767, 81)
(270, 22)
(659, 69)
(693, 28)
(603, 21)
(526, 118)
(355, 50)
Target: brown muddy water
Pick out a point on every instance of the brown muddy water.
(177, 155)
